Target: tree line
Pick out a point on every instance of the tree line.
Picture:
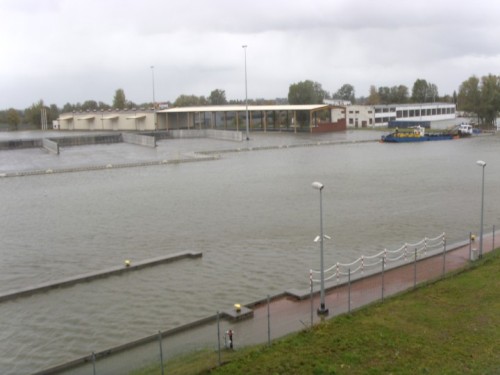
(478, 96)
(309, 92)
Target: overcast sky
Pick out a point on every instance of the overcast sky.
(75, 50)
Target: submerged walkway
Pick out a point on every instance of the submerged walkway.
(273, 317)
(92, 157)
(127, 267)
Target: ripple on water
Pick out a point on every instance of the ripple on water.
(253, 215)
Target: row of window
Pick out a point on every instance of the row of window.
(424, 112)
(439, 110)
(363, 122)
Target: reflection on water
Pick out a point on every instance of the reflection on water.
(252, 214)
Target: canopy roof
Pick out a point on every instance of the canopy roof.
(242, 108)
(89, 117)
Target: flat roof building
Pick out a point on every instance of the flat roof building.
(287, 117)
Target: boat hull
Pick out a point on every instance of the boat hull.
(425, 138)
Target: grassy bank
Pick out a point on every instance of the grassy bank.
(449, 327)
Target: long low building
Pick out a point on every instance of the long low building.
(116, 120)
(414, 112)
(311, 117)
(307, 117)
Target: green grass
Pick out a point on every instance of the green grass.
(449, 327)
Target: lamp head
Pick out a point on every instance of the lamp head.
(481, 163)
(318, 185)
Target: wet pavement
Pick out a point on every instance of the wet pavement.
(120, 154)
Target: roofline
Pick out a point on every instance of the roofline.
(243, 108)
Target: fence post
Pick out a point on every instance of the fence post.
(268, 320)
(493, 248)
(444, 253)
(218, 337)
(383, 269)
(311, 295)
(161, 353)
(93, 362)
(415, 270)
(349, 291)
(470, 245)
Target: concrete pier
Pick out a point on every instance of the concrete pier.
(133, 266)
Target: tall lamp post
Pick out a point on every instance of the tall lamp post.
(246, 89)
(481, 164)
(322, 310)
(154, 101)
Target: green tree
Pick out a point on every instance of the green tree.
(489, 103)
(419, 91)
(399, 94)
(190, 101)
(469, 95)
(373, 97)
(433, 92)
(384, 94)
(68, 107)
(346, 92)
(52, 113)
(119, 101)
(103, 106)
(306, 92)
(33, 114)
(89, 105)
(217, 97)
(424, 92)
(13, 118)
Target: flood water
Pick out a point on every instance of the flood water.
(252, 214)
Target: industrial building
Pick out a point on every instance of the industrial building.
(310, 117)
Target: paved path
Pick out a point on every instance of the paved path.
(369, 289)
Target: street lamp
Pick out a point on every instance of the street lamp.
(246, 89)
(481, 164)
(322, 310)
(154, 101)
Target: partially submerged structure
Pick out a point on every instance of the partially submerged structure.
(299, 117)
(310, 117)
